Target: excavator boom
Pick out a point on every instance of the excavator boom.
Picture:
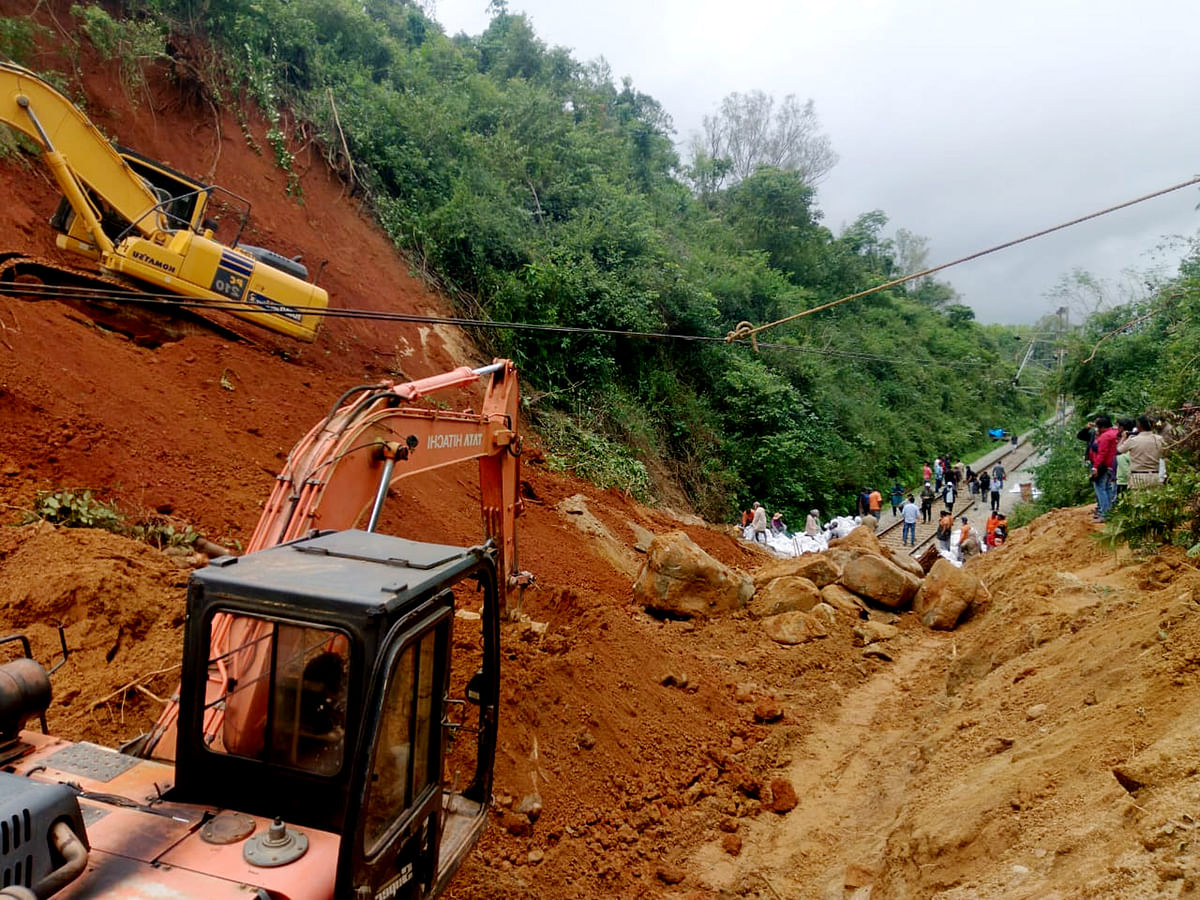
(51, 121)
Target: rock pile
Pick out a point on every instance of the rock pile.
(798, 599)
(856, 573)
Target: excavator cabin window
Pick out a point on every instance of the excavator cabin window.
(289, 706)
(407, 755)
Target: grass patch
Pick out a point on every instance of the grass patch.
(594, 457)
(83, 509)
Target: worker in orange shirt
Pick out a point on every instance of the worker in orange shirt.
(875, 503)
(990, 528)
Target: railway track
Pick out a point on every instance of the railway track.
(1013, 457)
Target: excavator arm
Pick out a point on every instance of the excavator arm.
(339, 472)
(337, 477)
(56, 125)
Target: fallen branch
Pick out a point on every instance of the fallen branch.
(134, 685)
(770, 887)
(345, 147)
(151, 694)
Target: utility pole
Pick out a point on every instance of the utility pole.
(1062, 313)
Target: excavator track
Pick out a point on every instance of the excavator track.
(111, 302)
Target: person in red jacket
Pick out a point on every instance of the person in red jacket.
(1102, 454)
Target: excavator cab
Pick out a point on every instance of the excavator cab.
(182, 203)
(346, 715)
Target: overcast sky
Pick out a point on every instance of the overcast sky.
(967, 122)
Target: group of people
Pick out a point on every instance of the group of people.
(869, 502)
(941, 480)
(755, 519)
(1125, 456)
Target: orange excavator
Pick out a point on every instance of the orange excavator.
(318, 746)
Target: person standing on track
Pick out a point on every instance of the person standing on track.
(875, 503)
(927, 495)
(910, 513)
(996, 485)
(949, 494)
(897, 497)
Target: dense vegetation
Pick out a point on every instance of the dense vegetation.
(537, 190)
(1126, 359)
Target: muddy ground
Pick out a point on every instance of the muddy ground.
(1047, 748)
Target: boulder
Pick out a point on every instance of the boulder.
(783, 796)
(947, 594)
(816, 567)
(870, 632)
(843, 556)
(825, 613)
(793, 628)
(768, 710)
(680, 579)
(841, 599)
(905, 561)
(862, 537)
(880, 580)
(786, 594)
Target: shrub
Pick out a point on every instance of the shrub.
(1150, 517)
(76, 509)
(18, 38)
(593, 457)
(82, 509)
(135, 42)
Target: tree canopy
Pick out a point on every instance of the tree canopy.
(541, 191)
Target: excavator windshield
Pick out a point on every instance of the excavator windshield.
(293, 713)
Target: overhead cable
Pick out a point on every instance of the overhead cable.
(747, 330)
(45, 291)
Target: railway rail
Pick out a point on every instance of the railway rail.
(1014, 456)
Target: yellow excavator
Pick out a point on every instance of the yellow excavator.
(144, 222)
